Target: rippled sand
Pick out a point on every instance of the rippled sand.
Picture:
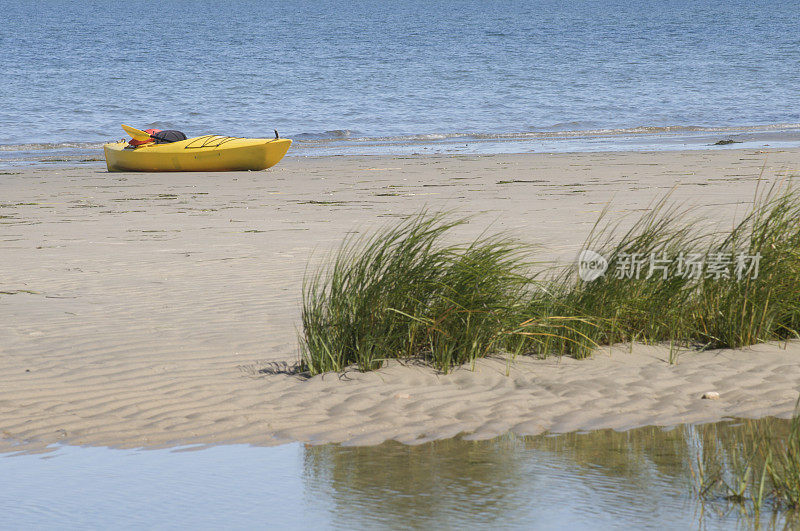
(139, 309)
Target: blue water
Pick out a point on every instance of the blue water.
(377, 77)
(634, 480)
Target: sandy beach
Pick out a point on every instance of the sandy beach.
(147, 310)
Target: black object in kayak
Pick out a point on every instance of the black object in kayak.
(168, 136)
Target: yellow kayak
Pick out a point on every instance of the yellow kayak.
(203, 153)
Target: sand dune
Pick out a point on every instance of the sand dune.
(137, 309)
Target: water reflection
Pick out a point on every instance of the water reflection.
(639, 478)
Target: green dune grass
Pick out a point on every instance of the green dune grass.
(404, 293)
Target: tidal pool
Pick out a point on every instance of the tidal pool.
(604, 479)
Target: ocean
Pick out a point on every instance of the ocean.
(406, 76)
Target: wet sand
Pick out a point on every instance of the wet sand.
(139, 309)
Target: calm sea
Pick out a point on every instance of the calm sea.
(401, 76)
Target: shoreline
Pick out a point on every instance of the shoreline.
(641, 139)
(139, 307)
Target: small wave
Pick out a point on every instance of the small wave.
(334, 134)
(313, 138)
(569, 126)
(564, 131)
(639, 130)
(49, 146)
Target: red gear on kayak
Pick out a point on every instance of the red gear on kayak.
(134, 142)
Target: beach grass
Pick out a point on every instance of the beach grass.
(405, 293)
(568, 316)
(733, 312)
(737, 304)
